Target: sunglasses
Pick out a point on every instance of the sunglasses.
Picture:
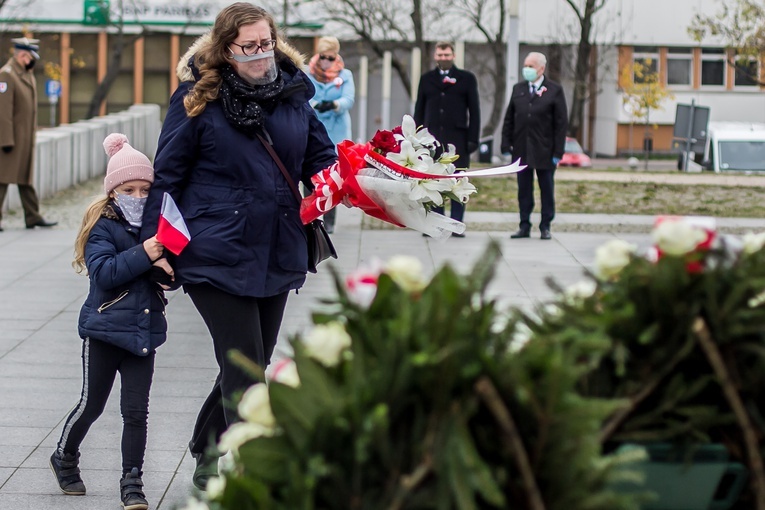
(325, 57)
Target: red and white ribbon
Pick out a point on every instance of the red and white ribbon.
(327, 183)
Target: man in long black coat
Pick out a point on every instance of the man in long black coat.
(535, 131)
(448, 105)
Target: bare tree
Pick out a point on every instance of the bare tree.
(489, 17)
(741, 26)
(380, 22)
(122, 42)
(585, 11)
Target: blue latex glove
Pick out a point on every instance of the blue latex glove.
(556, 161)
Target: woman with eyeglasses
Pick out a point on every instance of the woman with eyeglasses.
(335, 93)
(242, 89)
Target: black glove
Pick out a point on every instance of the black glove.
(325, 106)
(7, 148)
(472, 146)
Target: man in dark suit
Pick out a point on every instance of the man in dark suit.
(448, 105)
(535, 131)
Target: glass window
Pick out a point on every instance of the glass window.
(647, 59)
(679, 66)
(712, 67)
(747, 71)
(746, 156)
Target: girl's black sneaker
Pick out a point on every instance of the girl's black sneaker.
(131, 489)
(67, 471)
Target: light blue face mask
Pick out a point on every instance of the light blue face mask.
(529, 74)
(131, 207)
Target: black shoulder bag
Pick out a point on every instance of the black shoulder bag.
(320, 246)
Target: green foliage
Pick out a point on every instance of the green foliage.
(638, 345)
(419, 412)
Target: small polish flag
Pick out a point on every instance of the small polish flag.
(172, 231)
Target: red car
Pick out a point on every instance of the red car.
(574, 155)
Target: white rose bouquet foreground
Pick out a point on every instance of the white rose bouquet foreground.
(408, 395)
(677, 336)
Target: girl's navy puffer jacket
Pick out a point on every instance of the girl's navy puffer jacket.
(123, 307)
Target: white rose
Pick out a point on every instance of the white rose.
(677, 237)
(753, 242)
(326, 342)
(362, 283)
(580, 291)
(241, 432)
(215, 487)
(255, 406)
(406, 271)
(285, 372)
(612, 257)
(195, 504)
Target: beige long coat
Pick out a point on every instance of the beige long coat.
(18, 122)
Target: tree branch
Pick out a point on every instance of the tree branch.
(489, 395)
(620, 416)
(737, 405)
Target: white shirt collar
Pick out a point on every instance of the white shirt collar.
(538, 83)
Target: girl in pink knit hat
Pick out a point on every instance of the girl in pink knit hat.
(122, 321)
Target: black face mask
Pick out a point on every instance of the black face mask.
(31, 64)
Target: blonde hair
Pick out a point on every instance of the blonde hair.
(92, 214)
(328, 43)
(213, 56)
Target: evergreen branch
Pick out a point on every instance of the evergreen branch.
(410, 482)
(407, 483)
(620, 416)
(490, 396)
(734, 400)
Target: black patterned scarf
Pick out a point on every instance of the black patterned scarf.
(247, 106)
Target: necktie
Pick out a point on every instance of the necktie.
(533, 89)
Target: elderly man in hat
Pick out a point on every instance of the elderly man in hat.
(18, 121)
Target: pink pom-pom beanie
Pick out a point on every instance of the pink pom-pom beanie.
(125, 163)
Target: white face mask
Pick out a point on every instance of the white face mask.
(131, 207)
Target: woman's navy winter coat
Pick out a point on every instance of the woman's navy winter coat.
(123, 307)
(246, 235)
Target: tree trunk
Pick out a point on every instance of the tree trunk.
(112, 72)
(581, 76)
(499, 49)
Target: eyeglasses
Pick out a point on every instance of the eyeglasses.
(252, 48)
(326, 57)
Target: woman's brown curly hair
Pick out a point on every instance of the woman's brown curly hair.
(213, 56)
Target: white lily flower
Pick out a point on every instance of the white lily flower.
(438, 168)
(410, 133)
(449, 156)
(409, 157)
(430, 190)
(255, 406)
(462, 189)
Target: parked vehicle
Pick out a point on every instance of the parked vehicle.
(574, 155)
(730, 146)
